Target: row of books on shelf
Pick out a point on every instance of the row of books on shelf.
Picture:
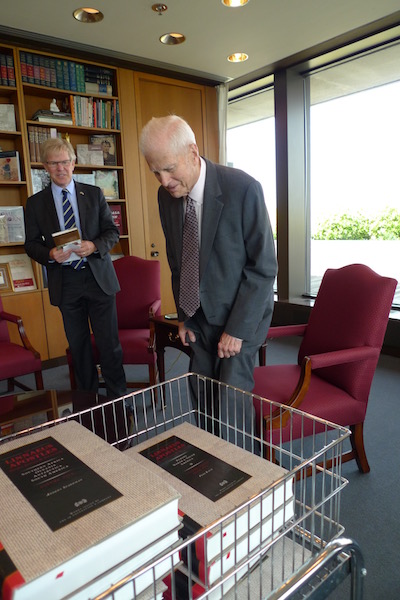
(84, 112)
(10, 168)
(7, 70)
(131, 514)
(106, 180)
(65, 74)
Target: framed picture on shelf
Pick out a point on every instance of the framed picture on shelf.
(5, 278)
(107, 144)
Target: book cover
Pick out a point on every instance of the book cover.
(108, 182)
(40, 180)
(90, 516)
(89, 154)
(67, 237)
(265, 477)
(107, 144)
(10, 166)
(23, 279)
(7, 117)
(14, 220)
(116, 212)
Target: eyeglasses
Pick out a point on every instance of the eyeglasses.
(54, 163)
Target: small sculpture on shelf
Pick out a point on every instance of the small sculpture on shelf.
(53, 106)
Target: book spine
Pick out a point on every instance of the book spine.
(67, 83)
(31, 138)
(29, 68)
(36, 69)
(60, 74)
(72, 76)
(47, 71)
(10, 70)
(53, 72)
(3, 69)
(24, 69)
(10, 577)
(42, 71)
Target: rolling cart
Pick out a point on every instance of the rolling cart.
(304, 553)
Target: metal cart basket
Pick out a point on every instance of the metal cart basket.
(303, 555)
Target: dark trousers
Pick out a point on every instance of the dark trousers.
(84, 304)
(223, 411)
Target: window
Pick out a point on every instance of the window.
(354, 175)
(251, 141)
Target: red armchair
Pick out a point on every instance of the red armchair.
(15, 359)
(137, 301)
(336, 360)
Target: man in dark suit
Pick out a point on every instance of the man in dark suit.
(82, 281)
(237, 264)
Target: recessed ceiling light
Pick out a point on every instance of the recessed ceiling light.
(234, 3)
(171, 39)
(238, 57)
(88, 15)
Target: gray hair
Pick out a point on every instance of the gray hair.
(56, 145)
(173, 130)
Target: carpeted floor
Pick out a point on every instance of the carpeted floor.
(370, 502)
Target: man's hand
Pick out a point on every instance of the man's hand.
(182, 334)
(59, 255)
(86, 248)
(228, 346)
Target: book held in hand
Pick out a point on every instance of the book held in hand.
(73, 514)
(67, 238)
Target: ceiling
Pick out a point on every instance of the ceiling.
(267, 30)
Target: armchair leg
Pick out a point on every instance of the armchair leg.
(39, 380)
(357, 444)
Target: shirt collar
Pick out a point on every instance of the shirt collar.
(197, 191)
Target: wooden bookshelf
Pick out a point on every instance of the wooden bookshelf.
(138, 98)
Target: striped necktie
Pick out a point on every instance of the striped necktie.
(189, 293)
(69, 222)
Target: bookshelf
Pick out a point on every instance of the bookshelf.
(134, 98)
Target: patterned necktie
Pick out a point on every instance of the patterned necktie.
(69, 221)
(189, 294)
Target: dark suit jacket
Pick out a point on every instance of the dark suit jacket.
(97, 225)
(237, 257)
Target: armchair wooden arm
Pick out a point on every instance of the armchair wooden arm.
(21, 330)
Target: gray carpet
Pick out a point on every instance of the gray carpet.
(369, 503)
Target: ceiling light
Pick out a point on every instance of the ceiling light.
(234, 3)
(88, 15)
(159, 8)
(238, 57)
(171, 39)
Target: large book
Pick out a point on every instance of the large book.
(40, 180)
(7, 117)
(72, 510)
(23, 278)
(226, 478)
(10, 166)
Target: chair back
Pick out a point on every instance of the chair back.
(4, 333)
(140, 284)
(351, 310)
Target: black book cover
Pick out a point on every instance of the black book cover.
(209, 475)
(59, 486)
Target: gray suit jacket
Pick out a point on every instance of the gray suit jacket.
(97, 225)
(237, 257)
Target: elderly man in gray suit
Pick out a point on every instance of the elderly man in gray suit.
(237, 262)
(82, 284)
